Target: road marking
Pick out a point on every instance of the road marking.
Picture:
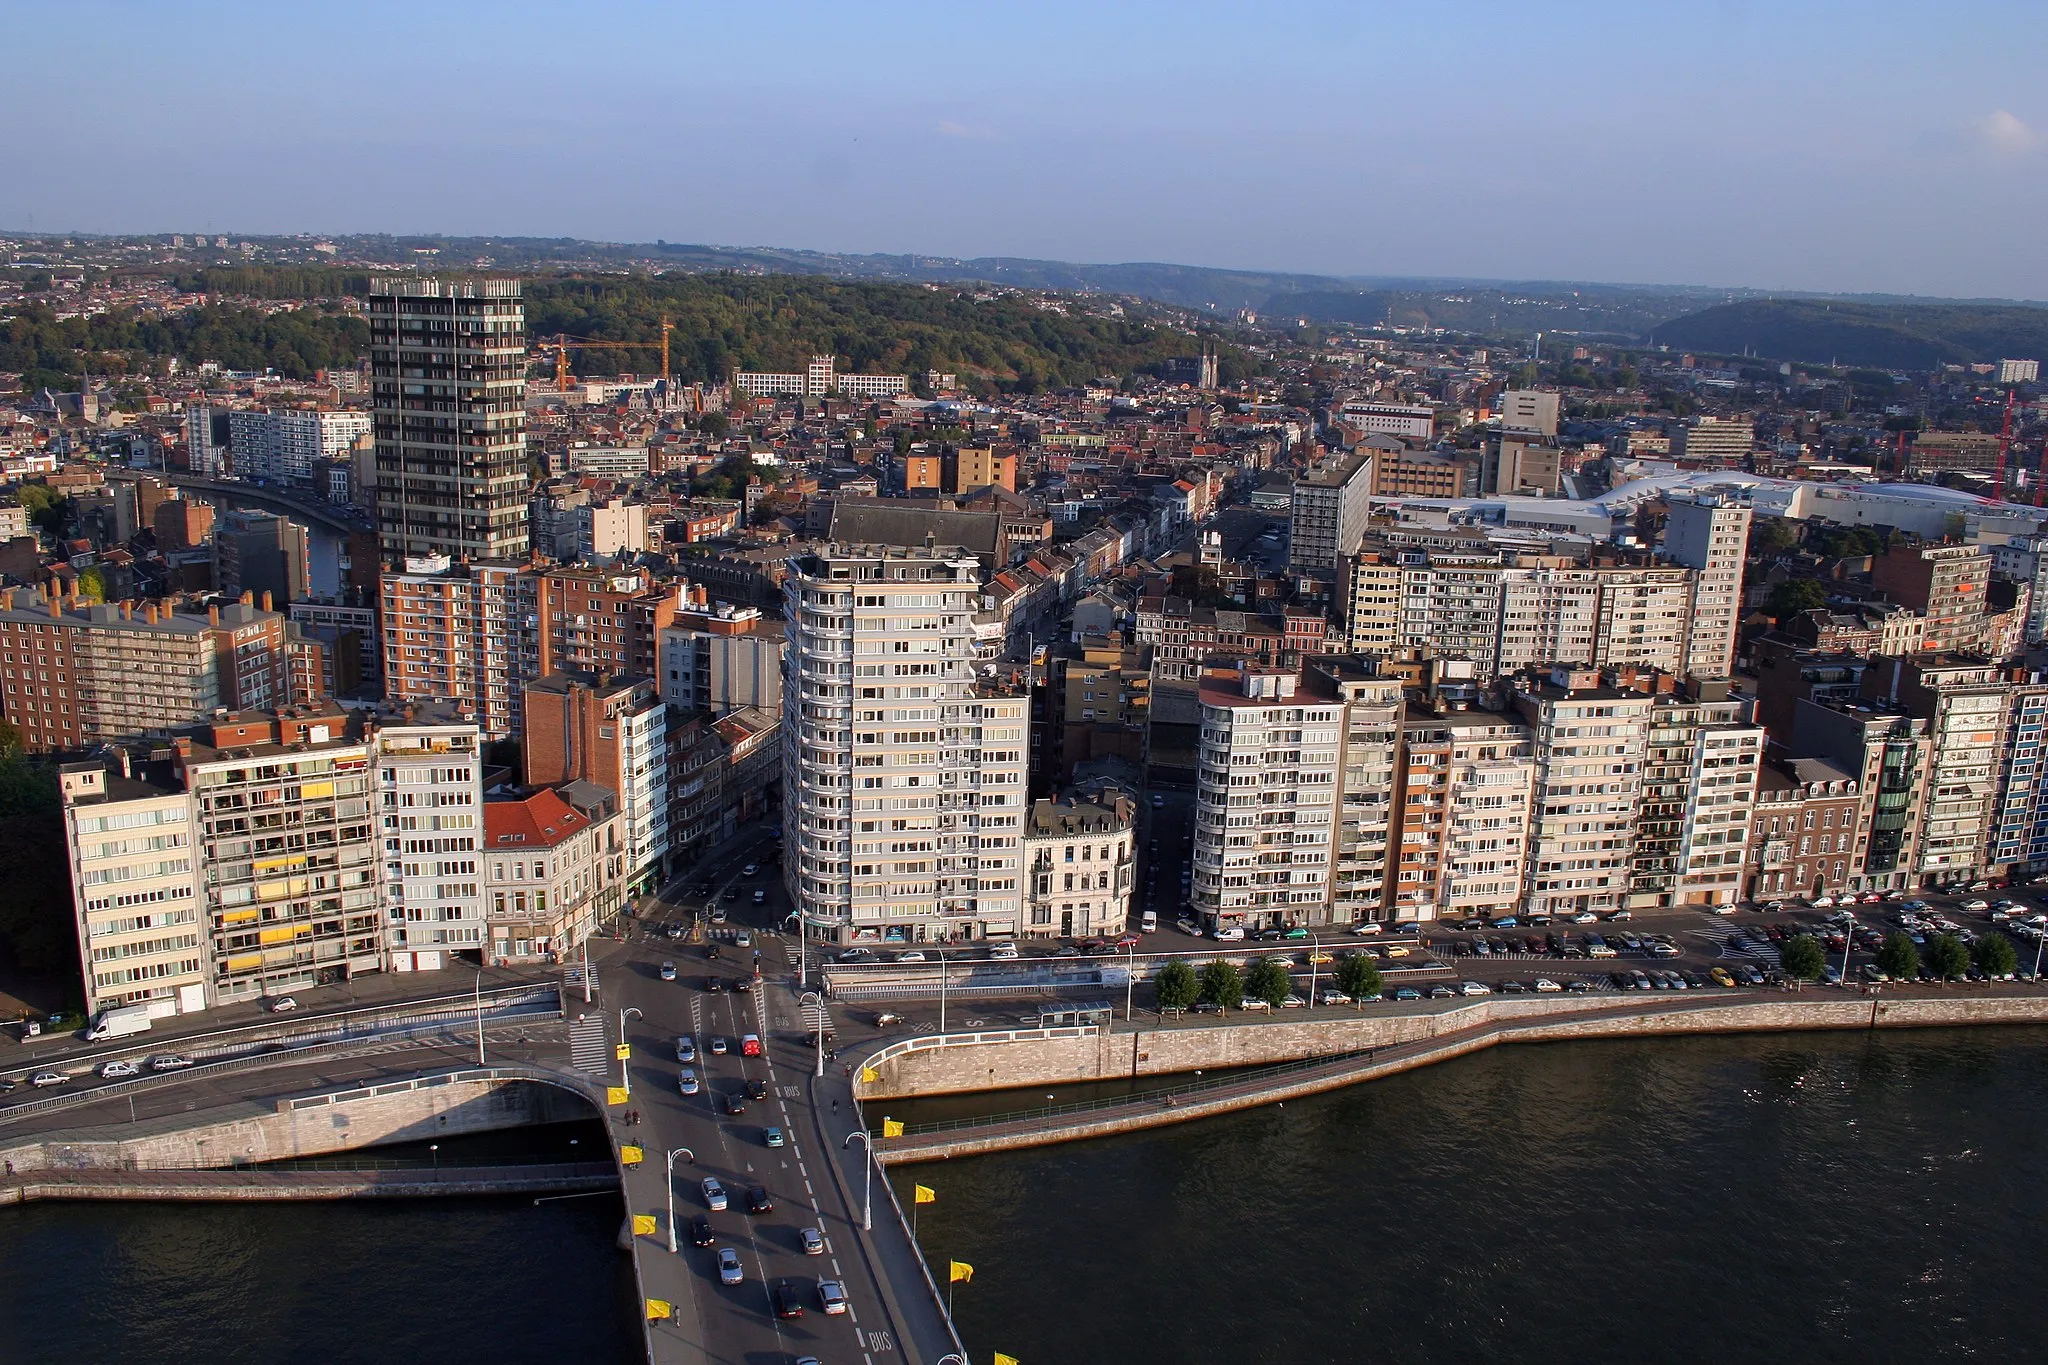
(882, 1341)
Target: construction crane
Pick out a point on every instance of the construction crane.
(562, 343)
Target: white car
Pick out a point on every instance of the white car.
(113, 1070)
(170, 1061)
(1371, 926)
(686, 1049)
(1229, 934)
(910, 957)
(729, 1271)
(749, 870)
(668, 971)
(686, 1081)
(1823, 902)
(1003, 952)
(1333, 998)
(832, 1296)
(1585, 917)
(1976, 907)
(1545, 985)
(284, 1004)
(1725, 909)
(43, 1078)
(714, 1194)
(1474, 988)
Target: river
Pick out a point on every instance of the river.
(1812, 1197)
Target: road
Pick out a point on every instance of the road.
(813, 1180)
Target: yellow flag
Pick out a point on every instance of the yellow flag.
(960, 1271)
(631, 1156)
(643, 1225)
(617, 1094)
(892, 1128)
(1002, 1359)
(924, 1194)
(657, 1309)
(623, 1051)
(868, 1075)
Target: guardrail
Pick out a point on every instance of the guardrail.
(1005, 1035)
(544, 1004)
(213, 1042)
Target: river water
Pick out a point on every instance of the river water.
(1814, 1197)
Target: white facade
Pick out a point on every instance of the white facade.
(818, 379)
(430, 804)
(289, 443)
(1529, 410)
(903, 771)
(1711, 536)
(1486, 837)
(2019, 371)
(1081, 872)
(134, 890)
(643, 798)
(1589, 743)
(1394, 419)
(202, 455)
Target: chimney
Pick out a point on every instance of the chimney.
(213, 616)
(127, 610)
(149, 612)
(266, 600)
(248, 599)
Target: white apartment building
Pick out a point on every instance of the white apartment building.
(1293, 796)
(608, 529)
(819, 378)
(1713, 439)
(1450, 607)
(1529, 410)
(1394, 419)
(1589, 745)
(1492, 775)
(1549, 615)
(1079, 860)
(288, 444)
(720, 658)
(203, 455)
(430, 809)
(1328, 510)
(2019, 371)
(1712, 537)
(1701, 762)
(134, 885)
(1372, 620)
(903, 767)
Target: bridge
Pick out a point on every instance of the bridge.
(234, 492)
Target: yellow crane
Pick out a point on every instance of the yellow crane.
(562, 343)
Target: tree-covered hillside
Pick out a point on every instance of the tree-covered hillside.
(1881, 336)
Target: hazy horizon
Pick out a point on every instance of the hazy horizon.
(1823, 147)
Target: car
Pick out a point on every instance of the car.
(1641, 979)
(1823, 902)
(735, 1103)
(813, 1241)
(1158, 802)
(1441, 992)
(1976, 907)
(729, 1271)
(1585, 917)
(1511, 987)
(1207, 1007)
(1371, 926)
(760, 898)
(169, 1061)
(700, 1231)
(47, 1078)
(832, 1296)
(714, 1194)
(856, 955)
(1474, 988)
(1544, 985)
(675, 931)
(1003, 952)
(757, 1088)
(715, 985)
(1317, 957)
(750, 870)
(711, 952)
(668, 971)
(686, 1049)
(284, 1004)
(1229, 934)
(1481, 948)
(1664, 950)
(750, 1045)
(1578, 985)
(1292, 1002)
(758, 1200)
(118, 1068)
(1407, 993)
(687, 1082)
(787, 1304)
(732, 893)
(1127, 939)
(1728, 909)
(771, 1136)
(1397, 950)
(1721, 976)
(719, 1047)
(1506, 922)
(1333, 998)
(1632, 943)
(743, 984)
(1749, 974)
(1875, 974)
(1460, 948)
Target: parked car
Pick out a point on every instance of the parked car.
(1545, 985)
(1407, 993)
(1003, 952)
(1474, 988)
(284, 1004)
(1333, 998)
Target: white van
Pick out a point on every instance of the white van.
(1148, 922)
(1228, 934)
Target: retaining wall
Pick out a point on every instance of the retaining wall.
(402, 1111)
(960, 1063)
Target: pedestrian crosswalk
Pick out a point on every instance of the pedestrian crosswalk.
(590, 1045)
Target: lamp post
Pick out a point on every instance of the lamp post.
(435, 1148)
(1130, 977)
(625, 1071)
(675, 1152)
(867, 1196)
(1848, 941)
(818, 1029)
(2039, 943)
(480, 1016)
(943, 974)
(1315, 950)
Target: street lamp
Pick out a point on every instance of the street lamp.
(625, 1072)
(480, 1016)
(818, 1029)
(1130, 977)
(867, 1197)
(1315, 950)
(435, 1148)
(943, 974)
(1848, 941)
(675, 1152)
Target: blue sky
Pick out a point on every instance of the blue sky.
(1868, 146)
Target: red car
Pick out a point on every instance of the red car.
(1127, 940)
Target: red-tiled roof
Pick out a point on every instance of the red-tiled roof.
(543, 819)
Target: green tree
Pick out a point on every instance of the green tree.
(1898, 958)
(1794, 596)
(1175, 987)
(48, 510)
(1947, 957)
(1994, 955)
(1358, 976)
(1772, 536)
(714, 425)
(1223, 984)
(91, 585)
(1268, 981)
(1803, 959)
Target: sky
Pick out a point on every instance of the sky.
(1852, 147)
